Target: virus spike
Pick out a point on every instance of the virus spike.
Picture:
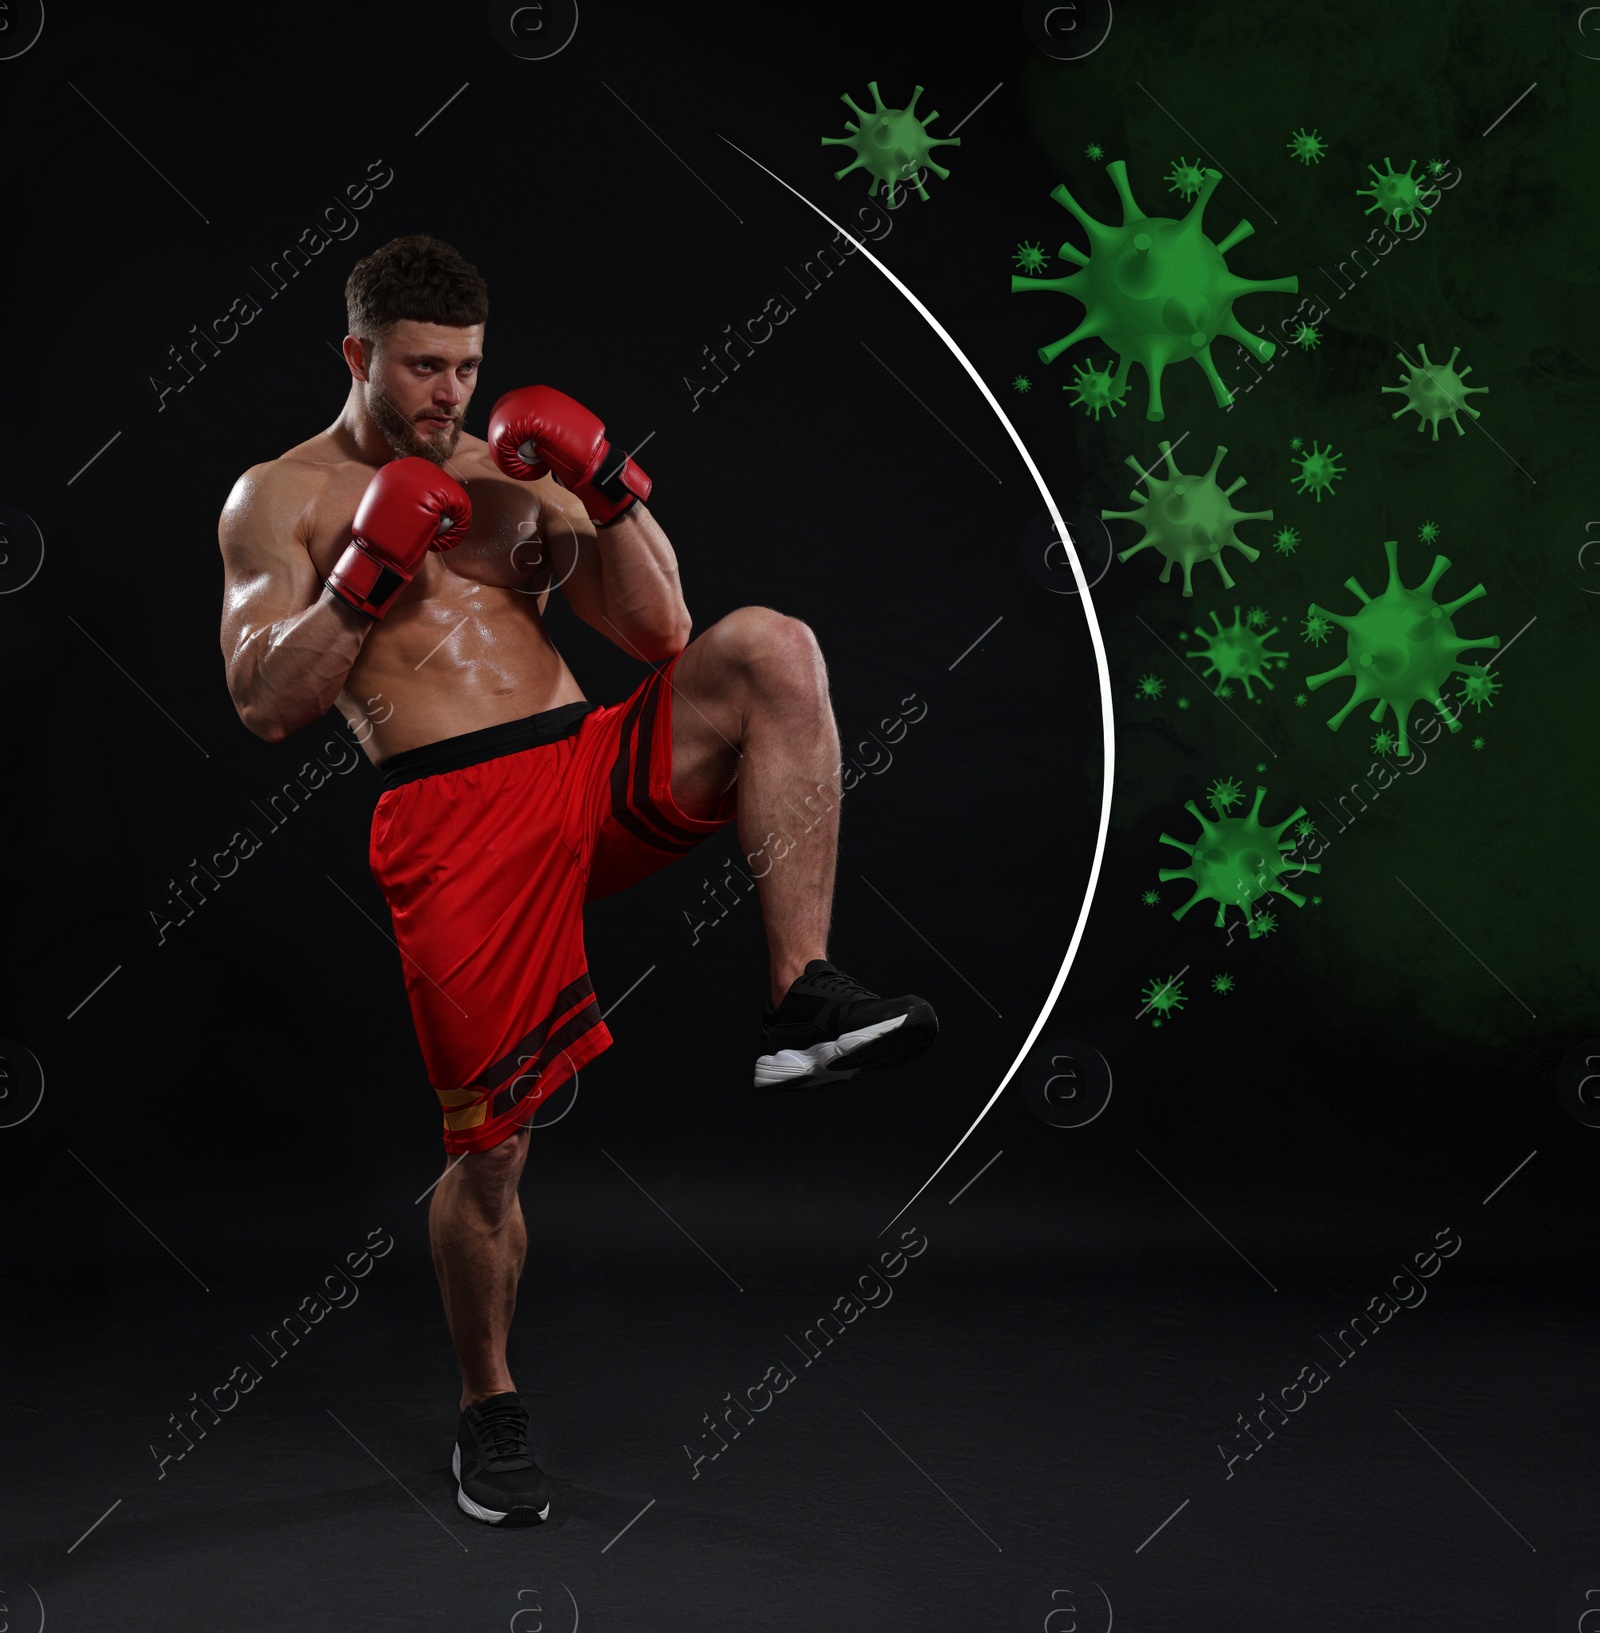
(1117, 170)
(1095, 229)
(1254, 344)
(911, 106)
(1084, 330)
(1059, 286)
(1197, 210)
(1237, 236)
(1219, 388)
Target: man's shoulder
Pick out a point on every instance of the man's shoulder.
(300, 472)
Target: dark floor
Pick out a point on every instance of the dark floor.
(1013, 1435)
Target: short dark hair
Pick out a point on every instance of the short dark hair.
(415, 277)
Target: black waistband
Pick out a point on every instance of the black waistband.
(490, 743)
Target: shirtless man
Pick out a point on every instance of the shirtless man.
(398, 569)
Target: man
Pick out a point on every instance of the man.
(399, 569)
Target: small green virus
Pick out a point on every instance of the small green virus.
(1295, 444)
(1304, 828)
(1437, 167)
(1225, 691)
(1236, 652)
(1185, 178)
(1163, 997)
(1151, 686)
(1300, 700)
(1383, 743)
(1150, 897)
(1261, 765)
(1095, 152)
(1022, 383)
(1237, 859)
(1479, 687)
(1093, 389)
(1224, 794)
(1263, 924)
(1477, 742)
(1317, 629)
(1156, 290)
(1183, 703)
(1402, 646)
(1316, 901)
(1318, 470)
(1396, 193)
(1428, 532)
(1256, 618)
(1435, 391)
(1030, 257)
(1222, 983)
(1286, 541)
(1188, 519)
(1307, 146)
(892, 144)
(1308, 336)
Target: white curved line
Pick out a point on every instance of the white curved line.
(1106, 719)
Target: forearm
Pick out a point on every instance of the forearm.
(286, 675)
(639, 577)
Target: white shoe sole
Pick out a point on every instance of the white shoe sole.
(817, 1062)
(489, 1516)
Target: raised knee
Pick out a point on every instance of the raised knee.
(761, 638)
(492, 1176)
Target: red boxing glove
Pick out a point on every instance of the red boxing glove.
(409, 507)
(539, 429)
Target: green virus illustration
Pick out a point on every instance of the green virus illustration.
(1238, 859)
(1022, 383)
(1306, 146)
(1236, 652)
(1224, 794)
(1257, 617)
(1479, 688)
(1296, 444)
(1401, 647)
(1185, 179)
(1435, 391)
(1183, 703)
(1437, 167)
(1383, 743)
(1094, 152)
(1308, 336)
(1396, 193)
(1151, 686)
(1223, 983)
(1263, 924)
(1164, 997)
(1317, 629)
(1187, 518)
(1300, 700)
(892, 145)
(1156, 290)
(1304, 828)
(1150, 897)
(1030, 257)
(1429, 532)
(1286, 541)
(1095, 389)
(1477, 742)
(1319, 470)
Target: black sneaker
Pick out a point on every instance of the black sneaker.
(497, 1480)
(829, 1027)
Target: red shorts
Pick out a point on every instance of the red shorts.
(486, 850)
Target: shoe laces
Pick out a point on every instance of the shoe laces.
(838, 981)
(503, 1429)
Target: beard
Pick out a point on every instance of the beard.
(406, 437)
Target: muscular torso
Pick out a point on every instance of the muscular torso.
(464, 646)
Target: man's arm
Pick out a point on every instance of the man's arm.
(288, 643)
(621, 580)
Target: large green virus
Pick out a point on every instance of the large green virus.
(892, 144)
(1237, 652)
(1436, 391)
(1155, 289)
(1237, 860)
(1187, 518)
(1402, 646)
(1396, 193)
